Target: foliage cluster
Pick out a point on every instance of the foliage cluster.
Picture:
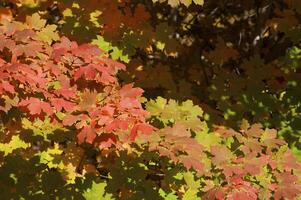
(73, 126)
(237, 59)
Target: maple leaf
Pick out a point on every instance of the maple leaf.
(35, 22)
(140, 127)
(65, 43)
(8, 43)
(68, 93)
(29, 50)
(288, 187)
(9, 103)
(6, 86)
(115, 52)
(69, 120)
(14, 143)
(48, 34)
(195, 164)
(106, 141)
(179, 130)
(87, 51)
(36, 106)
(127, 91)
(59, 104)
(25, 35)
(221, 154)
(87, 134)
(90, 73)
(88, 100)
(112, 125)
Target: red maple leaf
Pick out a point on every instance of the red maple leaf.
(127, 91)
(60, 104)
(87, 134)
(6, 86)
(70, 120)
(36, 106)
(140, 127)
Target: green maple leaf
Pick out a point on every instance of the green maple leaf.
(101, 43)
(115, 52)
(168, 196)
(49, 157)
(172, 112)
(118, 54)
(190, 194)
(41, 128)
(15, 143)
(194, 111)
(208, 139)
(97, 191)
(156, 107)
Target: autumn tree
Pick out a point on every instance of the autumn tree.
(219, 118)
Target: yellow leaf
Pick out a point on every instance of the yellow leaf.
(35, 21)
(15, 143)
(199, 2)
(48, 34)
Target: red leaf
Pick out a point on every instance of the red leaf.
(65, 92)
(87, 134)
(193, 163)
(87, 51)
(107, 140)
(36, 106)
(288, 187)
(70, 120)
(130, 92)
(117, 124)
(7, 87)
(143, 128)
(59, 104)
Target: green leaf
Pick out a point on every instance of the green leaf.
(208, 139)
(168, 196)
(102, 44)
(156, 107)
(190, 181)
(49, 157)
(42, 128)
(115, 52)
(15, 143)
(297, 153)
(191, 194)
(97, 191)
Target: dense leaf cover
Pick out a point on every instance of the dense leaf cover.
(74, 126)
(239, 59)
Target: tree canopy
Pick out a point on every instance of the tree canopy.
(140, 99)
